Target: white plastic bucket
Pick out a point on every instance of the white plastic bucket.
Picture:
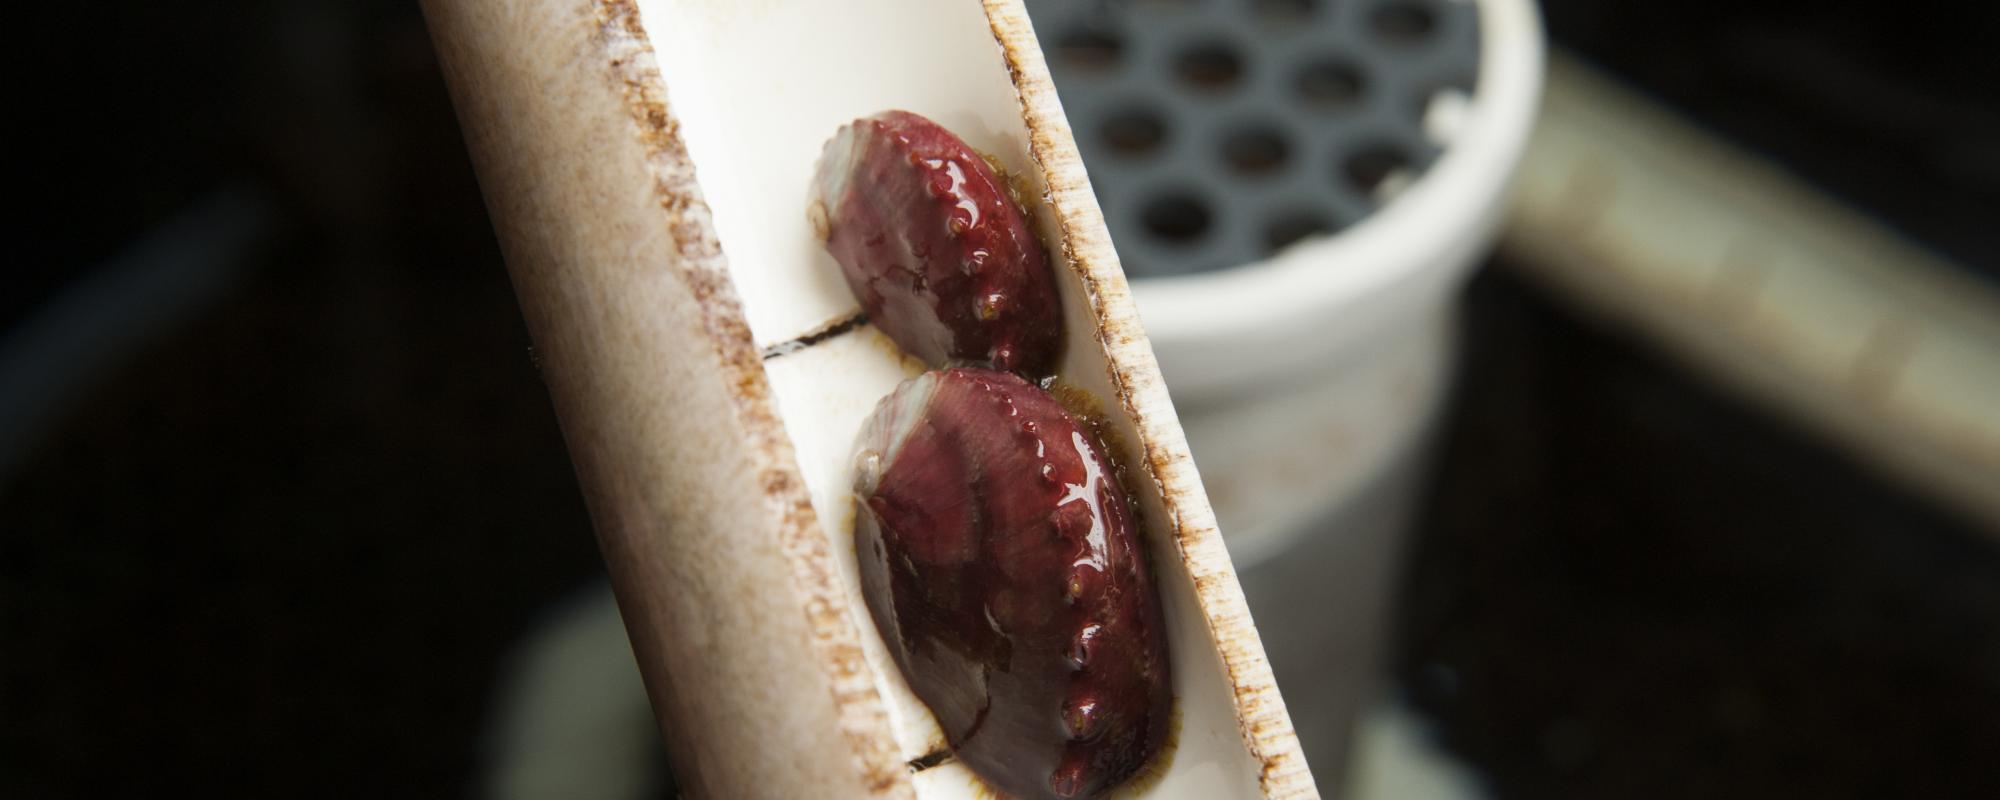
(1307, 382)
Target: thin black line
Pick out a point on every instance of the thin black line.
(930, 759)
(832, 329)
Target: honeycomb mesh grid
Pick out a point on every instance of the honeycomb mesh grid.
(1217, 132)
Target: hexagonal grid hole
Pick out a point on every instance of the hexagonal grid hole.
(1209, 66)
(1133, 131)
(1256, 150)
(1177, 217)
(1403, 21)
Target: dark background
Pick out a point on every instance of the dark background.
(275, 549)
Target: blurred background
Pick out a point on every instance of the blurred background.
(1695, 494)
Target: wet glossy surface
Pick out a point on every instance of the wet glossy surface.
(933, 247)
(1000, 561)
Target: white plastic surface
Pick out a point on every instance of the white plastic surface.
(1306, 384)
